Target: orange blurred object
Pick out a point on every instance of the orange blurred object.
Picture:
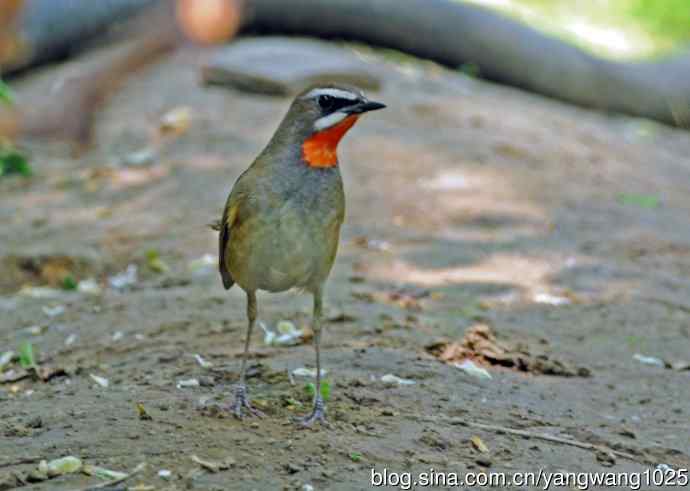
(209, 21)
(10, 45)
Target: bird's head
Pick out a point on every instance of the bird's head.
(321, 115)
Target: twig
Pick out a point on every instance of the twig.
(668, 303)
(538, 436)
(21, 461)
(114, 482)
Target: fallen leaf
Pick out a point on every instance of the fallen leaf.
(103, 382)
(141, 411)
(469, 367)
(177, 120)
(103, 473)
(480, 345)
(395, 380)
(192, 382)
(479, 444)
(5, 359)
(165, 474)
(649, 360)
(202, 362)
(213, 466)
(307, 372)
(59, 467)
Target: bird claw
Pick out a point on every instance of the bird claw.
(318, 414)
(242, 403)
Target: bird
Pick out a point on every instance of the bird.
(280, 227)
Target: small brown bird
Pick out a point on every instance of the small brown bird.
(281, 223)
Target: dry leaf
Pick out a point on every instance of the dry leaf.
(479, 444)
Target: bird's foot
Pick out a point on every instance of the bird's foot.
(242, 403)
(318, 414)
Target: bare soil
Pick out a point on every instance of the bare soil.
(468, 204)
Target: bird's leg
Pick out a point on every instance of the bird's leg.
(318, 412)
(241, 400)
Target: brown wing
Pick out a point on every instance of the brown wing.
(229, 216)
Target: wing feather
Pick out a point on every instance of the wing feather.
(229, 216)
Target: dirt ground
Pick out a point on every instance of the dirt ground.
(563, 231)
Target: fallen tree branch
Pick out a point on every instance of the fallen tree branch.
(505, 50)
(537, 436)
(449, 32)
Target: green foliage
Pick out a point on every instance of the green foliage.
(355, 456)
(5, 93)
(310, 389)
(614, 28)
(12, 161)
(69, 283)
(155, 263)
(665, 18)
(27, 358)
(642, 200)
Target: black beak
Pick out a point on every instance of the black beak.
(363, 107)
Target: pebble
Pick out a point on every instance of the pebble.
(484, 461)
(206, 381)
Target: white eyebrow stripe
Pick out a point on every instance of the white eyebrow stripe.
(340, 94)
(328, 121)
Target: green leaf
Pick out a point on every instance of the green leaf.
(355, 456)
(310, 389)
(69, 283)
(642, 200)
(14, 162)
(325, 390)
(154, 261)
(26, 356)
(6, 95)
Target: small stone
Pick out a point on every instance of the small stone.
(292, 468)
(627, 432)
(484, 461)
(206, 381)
(606, 459)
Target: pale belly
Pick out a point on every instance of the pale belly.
(284, 250)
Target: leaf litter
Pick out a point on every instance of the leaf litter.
(480, 346)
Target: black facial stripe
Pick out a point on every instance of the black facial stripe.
(330, 104)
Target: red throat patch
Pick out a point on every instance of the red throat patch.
(320, 149)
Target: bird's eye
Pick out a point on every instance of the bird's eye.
(326, 102)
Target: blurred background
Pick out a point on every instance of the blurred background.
(624, 29)
(511, 289)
